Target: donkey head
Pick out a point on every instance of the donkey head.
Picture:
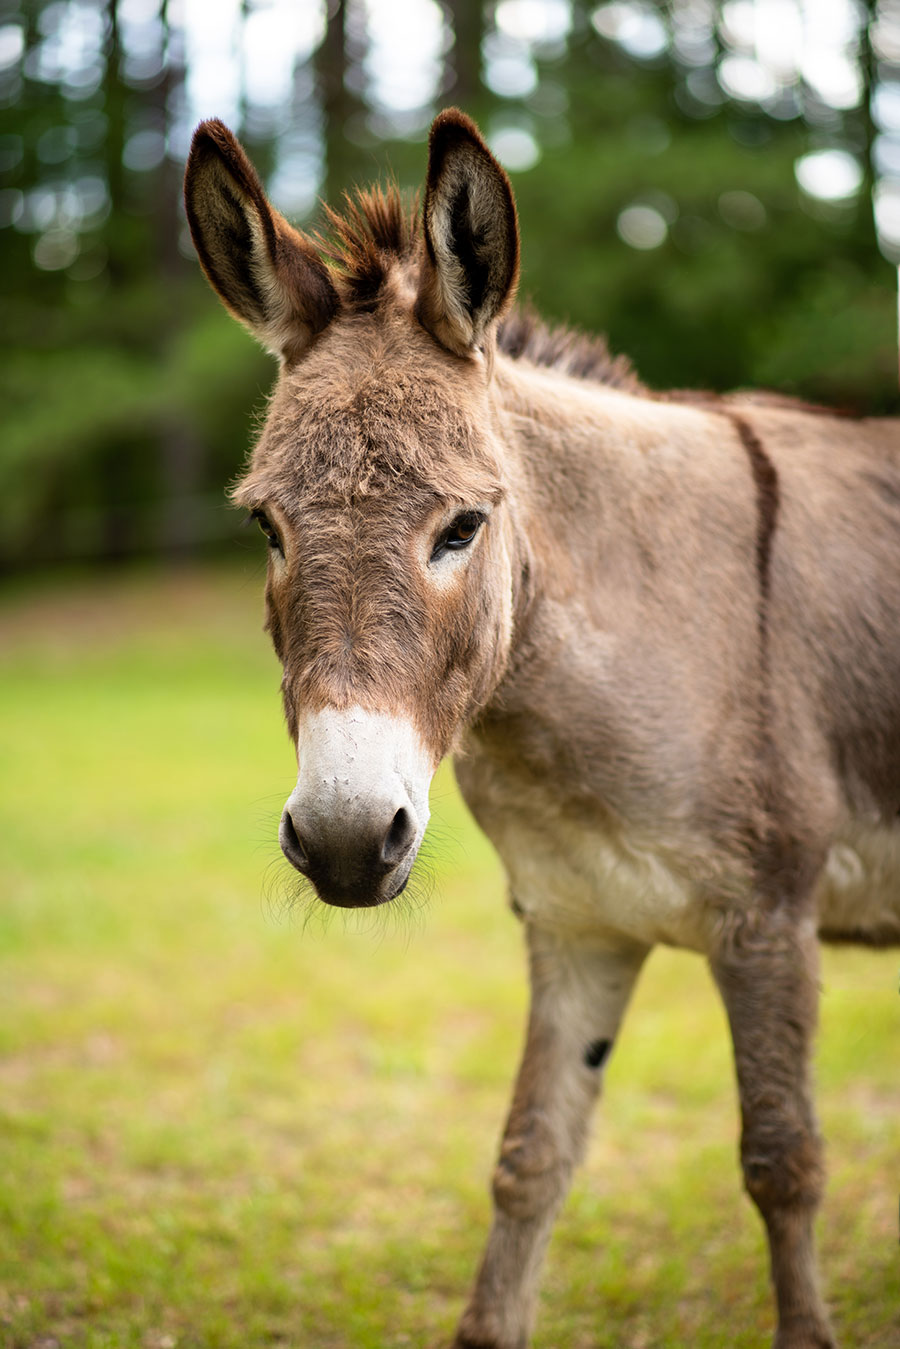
(377, 482)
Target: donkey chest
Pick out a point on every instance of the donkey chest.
(575, 873)
(591, 880)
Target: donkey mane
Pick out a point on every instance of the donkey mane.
(524, 335)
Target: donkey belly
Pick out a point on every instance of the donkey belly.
(586, 879)
(859, 894)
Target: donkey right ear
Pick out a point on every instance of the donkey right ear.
(264, 271)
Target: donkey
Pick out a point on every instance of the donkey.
(660, 633)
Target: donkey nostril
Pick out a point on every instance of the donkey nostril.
(399, 837)
(291, 846)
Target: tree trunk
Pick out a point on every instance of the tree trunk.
(467, 17)
(181, 453)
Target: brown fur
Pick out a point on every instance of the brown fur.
(669, 657)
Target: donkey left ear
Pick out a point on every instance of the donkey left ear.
(471, 262)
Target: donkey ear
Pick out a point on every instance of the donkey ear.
(265, 272)
(471, 262)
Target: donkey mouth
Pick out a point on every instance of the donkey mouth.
(361, 895)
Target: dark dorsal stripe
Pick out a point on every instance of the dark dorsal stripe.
(765, 478)
(775, 848)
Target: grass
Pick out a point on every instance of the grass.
(222, 1128)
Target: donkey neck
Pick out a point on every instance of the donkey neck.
(589, 436)
(600, 478)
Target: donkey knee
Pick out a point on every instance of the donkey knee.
(783, 1167)
(532, 1173)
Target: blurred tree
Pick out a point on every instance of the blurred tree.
(106, 445)
(467, 18)
(338, 102)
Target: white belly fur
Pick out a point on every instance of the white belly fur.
(580, 879)
(860, 889)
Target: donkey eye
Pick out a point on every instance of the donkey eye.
(267, 528)
(459, 534)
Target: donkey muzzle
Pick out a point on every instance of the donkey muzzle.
(355, 820)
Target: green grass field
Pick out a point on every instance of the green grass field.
(223, 1126)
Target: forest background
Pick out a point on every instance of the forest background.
(715, 186)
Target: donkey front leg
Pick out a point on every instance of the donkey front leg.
(767, 971)
(579, 990)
